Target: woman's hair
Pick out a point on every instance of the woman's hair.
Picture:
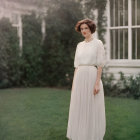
(89, 22)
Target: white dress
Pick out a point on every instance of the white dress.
(87, 119)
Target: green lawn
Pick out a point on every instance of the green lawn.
(42, 113)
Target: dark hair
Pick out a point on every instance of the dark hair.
(89, 22)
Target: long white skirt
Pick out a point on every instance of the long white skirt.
(86, 119)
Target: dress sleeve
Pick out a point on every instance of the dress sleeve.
(75, 58)
(101, 59)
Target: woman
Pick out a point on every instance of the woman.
(87, 119)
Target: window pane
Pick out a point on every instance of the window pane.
(126, 12)
(119, 12)
(138, 12)
(112, 11)
(136, 43)
(119, 44)
(135, 12)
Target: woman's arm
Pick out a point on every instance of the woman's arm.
(97, 83)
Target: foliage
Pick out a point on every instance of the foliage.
(8, 55)
(126, 86)
(48, 63)
(60, 42)
(24, 70)
(110, 88)
(31, 62)
(134, 87)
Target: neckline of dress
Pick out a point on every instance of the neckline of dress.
(89, 41)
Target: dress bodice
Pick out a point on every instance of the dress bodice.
(92, 53)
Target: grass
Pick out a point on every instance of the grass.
(42, 113)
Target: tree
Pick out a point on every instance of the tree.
(9, 54)
(31, 56)
(60, 42)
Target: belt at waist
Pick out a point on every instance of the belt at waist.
(87, 65)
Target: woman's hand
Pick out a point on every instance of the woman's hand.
(96, 88)
(97, 83)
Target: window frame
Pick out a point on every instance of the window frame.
(130, 27)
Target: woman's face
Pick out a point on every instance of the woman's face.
(85, 30)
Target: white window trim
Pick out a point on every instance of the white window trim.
(129, 61)
(129, 30)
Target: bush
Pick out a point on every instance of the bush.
(16, 70)
(60, 42)
(134, 88)
(126, 86)
(31, 62)
(9, 55)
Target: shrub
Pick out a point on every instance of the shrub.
(134, 88)
(31, 62)
(9, 54)
(60, 43)
(126, 86)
